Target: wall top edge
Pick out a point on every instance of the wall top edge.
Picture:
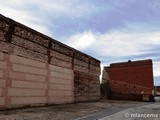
(132, 63)
(13, 22)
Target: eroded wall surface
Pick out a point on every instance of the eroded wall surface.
(36, 69)
(86, 79)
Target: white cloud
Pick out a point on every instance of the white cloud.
(118, 43)
(13, 9)
(81, 41)
(123, 44)
(156, 68)
(36, 13)
(72, 8)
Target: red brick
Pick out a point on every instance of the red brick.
(138, 73)
(130, 78)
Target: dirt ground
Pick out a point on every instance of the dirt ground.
(63, 112)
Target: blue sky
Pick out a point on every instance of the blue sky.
(109, 30)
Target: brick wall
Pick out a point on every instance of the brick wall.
(37, 70)
(131, 80)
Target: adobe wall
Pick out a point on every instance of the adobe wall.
(36, 69)
(132, 80)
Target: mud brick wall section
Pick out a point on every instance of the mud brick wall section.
(86, 79)
(37, 70)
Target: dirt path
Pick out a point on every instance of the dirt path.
(65, 112)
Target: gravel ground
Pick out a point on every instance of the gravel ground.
(64, 112)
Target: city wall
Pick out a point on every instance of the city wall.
(38, 70)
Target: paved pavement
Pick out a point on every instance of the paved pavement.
(69, 111)
(146, 112)
(102, 110)
(113, 110)
(157, 99)
(142, 111)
